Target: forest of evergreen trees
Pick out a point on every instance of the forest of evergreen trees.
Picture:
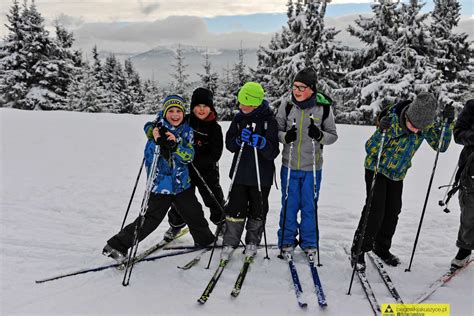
(405, 52)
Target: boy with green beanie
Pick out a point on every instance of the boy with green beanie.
(246, 204)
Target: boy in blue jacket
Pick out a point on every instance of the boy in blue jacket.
(172, 184)
(245, 202)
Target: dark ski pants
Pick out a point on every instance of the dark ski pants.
(188, 208)
(245, 205)
(383, 214)
(211, 176)
(466, 229)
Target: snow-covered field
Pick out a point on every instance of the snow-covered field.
(65, 183)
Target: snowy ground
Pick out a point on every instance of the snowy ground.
(66, 180)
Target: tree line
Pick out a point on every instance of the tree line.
(405, 52)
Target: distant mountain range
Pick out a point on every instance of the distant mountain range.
(156, 63)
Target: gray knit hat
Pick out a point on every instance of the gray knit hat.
(422, 110)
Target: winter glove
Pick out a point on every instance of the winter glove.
(246, 136)
(258, 141)
(164, 142)
(199, 139)
(385, 123)
(290, 135)
(448, 113)
(314, 132)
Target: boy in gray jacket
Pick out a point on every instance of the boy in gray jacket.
(314, 122)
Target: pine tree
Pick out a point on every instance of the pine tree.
(452, 51)
(152, 98)
(379, 34)
(226, 98)
(240, 71)
(180, 82)
(13, 67)
(41, 70)
(66, 62)
(304, 42)
(133, 89)
(115, 100)
(84, 92)
(209, 78)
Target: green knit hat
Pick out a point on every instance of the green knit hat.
(251, 94)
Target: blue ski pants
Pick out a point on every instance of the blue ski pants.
(301, 197)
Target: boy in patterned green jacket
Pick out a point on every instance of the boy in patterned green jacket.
(406, 125)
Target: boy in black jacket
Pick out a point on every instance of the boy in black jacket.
(208, 145)
(245, 201)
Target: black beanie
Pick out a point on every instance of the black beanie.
(308, 77)
(202, 96)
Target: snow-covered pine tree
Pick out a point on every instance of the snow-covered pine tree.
(225, 100)
(153, 98)
(180, 83)
(115, 100)
(271, 57)
(266, 61)
(304, 42)
(84, 92)
(67, 62)
(290, 56)
(326, 55)
(240, 71)
(209, 78)
(13, 66)
(134, 95)
(452, 50)
(409, 65)
(378, 33)
(42, 69)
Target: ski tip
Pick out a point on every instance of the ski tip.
(234, 294)
(202, 301)
(302, 304)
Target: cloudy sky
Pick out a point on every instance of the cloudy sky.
(131, 26)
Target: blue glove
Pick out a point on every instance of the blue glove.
(258, 141)
(246, 136)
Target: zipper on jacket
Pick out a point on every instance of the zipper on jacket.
(301, 140)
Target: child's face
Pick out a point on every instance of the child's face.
(201, 111)
(246, 109)
(301, 95)
(410, 126)
(174, 116)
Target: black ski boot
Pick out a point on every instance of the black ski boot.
(115, 254)
(359, 261)
(387, 257)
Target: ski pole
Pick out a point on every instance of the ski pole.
(285, 206)
(315, 192)
(237, 163)
(367, 211)
(427, 195)
(447, 196)
(133, 193)
(257, 169)
(143, 210)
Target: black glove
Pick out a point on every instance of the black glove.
(385, 123)
(448, 113)
(200, 139)
(290, 135)
(166, 146)
(314, 132)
